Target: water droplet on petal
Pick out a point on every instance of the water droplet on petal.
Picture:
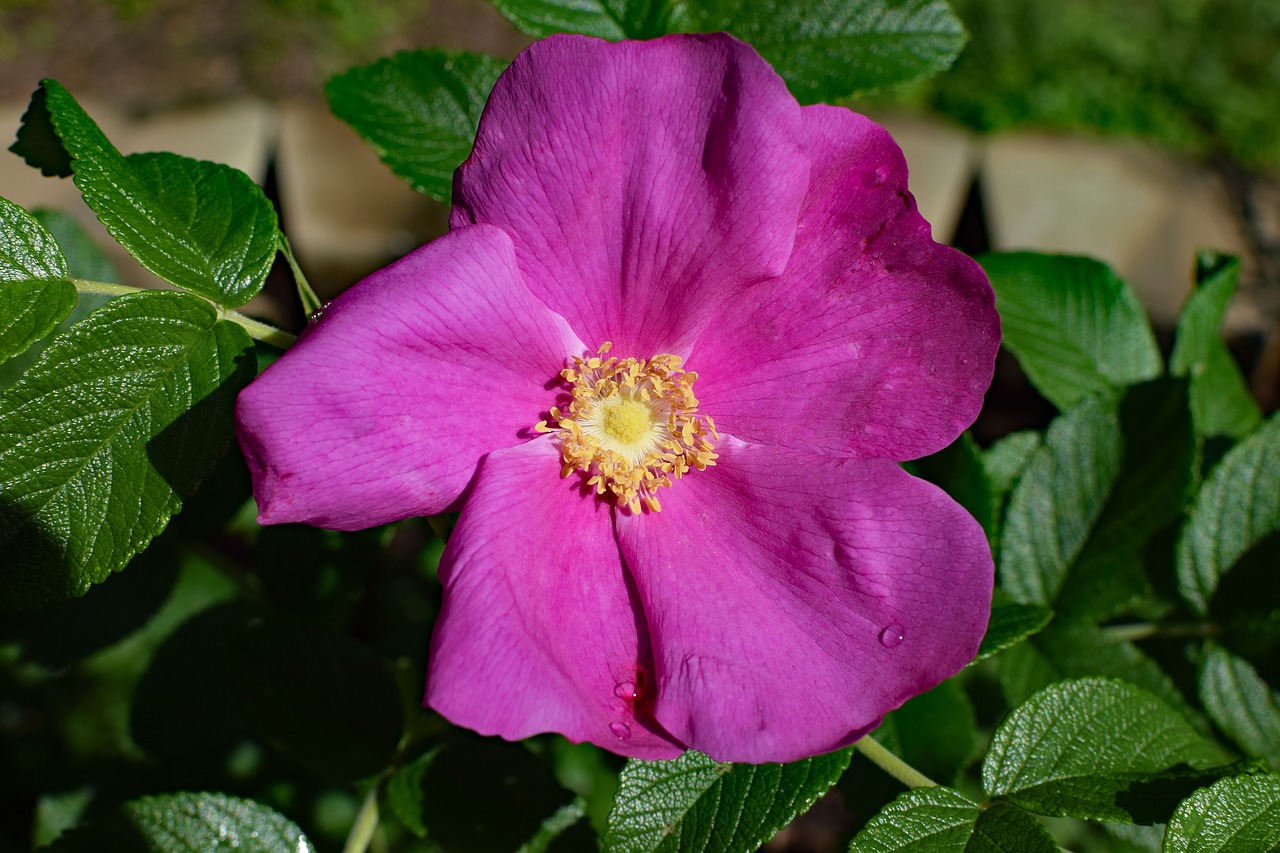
(626, 690)
(620, 730)
(891, 636)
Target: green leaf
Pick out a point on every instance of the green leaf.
(1220, 400)
(1074, 326)
(1241, 703)
(202, 226)
(1084, 748)
(1010, 624)
(606, 19)
(29, 310)
(1236, 815)
(959, 470)
(1062, 493)
(693, 803)
(103, 438)
(38, 142)
(1005, 829)
(827, 50)
(935, 732)
(27, 250)
(1079, 648)
(34, 294)
(1237, 508)
(554, 827)
(405, 794)
(1006, 459)
(189, 823)
(85, 259)
(418, 110)
(923, 820)
(1149, 494)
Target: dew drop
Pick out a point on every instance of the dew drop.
(620, 730)
(891, 636)
(626, 690)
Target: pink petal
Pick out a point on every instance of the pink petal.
(792, 600)
(876, 341)
(538, 631)
(382, 410)
(643, 183)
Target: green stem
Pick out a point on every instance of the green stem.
(366, 823)
(103, 288)
(310, 302)
(257, 330)
(892, 764)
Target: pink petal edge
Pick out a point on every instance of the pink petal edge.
(538, 631)
(644, 183)
(793, 600)
(876, 341)
(383, 409)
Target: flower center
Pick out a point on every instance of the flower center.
(632, 426)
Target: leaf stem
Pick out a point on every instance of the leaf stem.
(366, 823)
(892, 764)
(310, 301)
(257, 330)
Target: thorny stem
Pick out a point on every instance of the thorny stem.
(257, 330)
(892, 764)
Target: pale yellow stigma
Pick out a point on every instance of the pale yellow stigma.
(632, 426)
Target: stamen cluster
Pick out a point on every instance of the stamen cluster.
(662, 437)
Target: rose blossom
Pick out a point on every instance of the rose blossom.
(665, 364)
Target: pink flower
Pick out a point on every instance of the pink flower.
(699, 538)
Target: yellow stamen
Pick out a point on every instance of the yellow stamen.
(632, 426)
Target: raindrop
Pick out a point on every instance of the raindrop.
(626, 690)
(620, 730)
(891, 636)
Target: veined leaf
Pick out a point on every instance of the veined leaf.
(942, 820)
(695, 804)
(1085, 748)
(418, 110)
(1053, 508)
(606, 19)
(1237, 508)
(1074, 326)
(923, 820)
(827, 50)
(34, 293)
(186, 823)
(1010, 624)
(27, 250)
(106, 434)
(1236, 815)
(1220, 400)
(1241, 703)
(202, 226)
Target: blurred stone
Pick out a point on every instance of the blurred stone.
(941, 158)
(1142, 211)
(346, 213)
(241, 134)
